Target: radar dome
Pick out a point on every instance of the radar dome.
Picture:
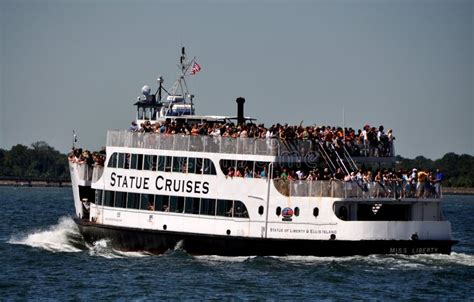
(146, 90)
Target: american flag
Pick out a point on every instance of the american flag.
(196, 68)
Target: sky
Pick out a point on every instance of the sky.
(78, 64)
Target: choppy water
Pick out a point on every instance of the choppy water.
(43, 257)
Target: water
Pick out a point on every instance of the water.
(44, 257)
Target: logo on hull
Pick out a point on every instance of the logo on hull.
(287, 214)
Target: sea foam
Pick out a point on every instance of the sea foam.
(61, 237)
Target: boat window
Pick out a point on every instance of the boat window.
(192, 205)
(112, 161)
(109, 198)
(342, 212)
(126, 164)
(278, 211)
(168, 160)
(121, 160)
(98, 197)
(162, 203)
(139, 162)
(315, 212)
(261, 169)
(226, 164)
(147, 202)
(133, 201)
(161, 163)
(198, 165)
(209, 168)
(208, 206)
(120, 199)
(150, 162)
(240, 210)
(176, 204)
(378, 212)
(260, 210)
(244, 168)
(297, 211)
(224, 208)
(134, 161)
(179, 164)
(191, 165)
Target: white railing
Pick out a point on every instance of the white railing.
(97, 172)
(200, 143)
(217, 144)
(354, 189)
(84, 171)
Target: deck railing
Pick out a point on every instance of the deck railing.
(354, 189)
(97, 172)
(85, 172)
(218, 144)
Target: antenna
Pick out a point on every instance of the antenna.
(74, 139)
(182, 60)
(160, 81)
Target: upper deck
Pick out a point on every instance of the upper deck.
(246, 146)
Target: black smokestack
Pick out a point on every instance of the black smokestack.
(240, 110)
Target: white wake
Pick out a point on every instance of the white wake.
(102, 248)
(393, 261)
(65, 237)
(61, 237)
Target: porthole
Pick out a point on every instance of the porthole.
(260, 210)
(228, 232)
(278, 211)
(315, 212)
(164, 227)
(297, 211)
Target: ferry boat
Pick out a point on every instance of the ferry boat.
(158, 191)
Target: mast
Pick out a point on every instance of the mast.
(180, 83)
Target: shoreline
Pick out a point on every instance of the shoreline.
(67, 183)
(34, 183)
(458, 191)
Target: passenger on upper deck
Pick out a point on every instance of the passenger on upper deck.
(77, 155)
(438, 178)
(366, 142)
(133, 127)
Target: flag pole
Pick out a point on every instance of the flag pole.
(343, 125)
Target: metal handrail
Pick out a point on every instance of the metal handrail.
(354, 189)
(213, 144)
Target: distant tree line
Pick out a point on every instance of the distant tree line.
(43, 161)
(458, 170)
(38, 161)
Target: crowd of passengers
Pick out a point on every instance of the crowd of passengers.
(368, 141)
(77, 155)
(379, 183)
